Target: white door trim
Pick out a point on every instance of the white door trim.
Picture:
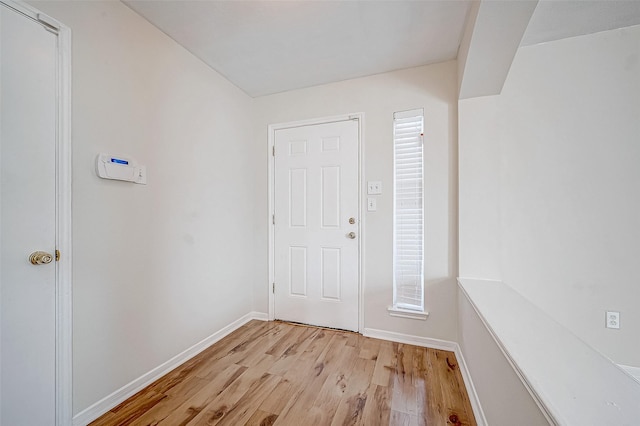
(64, 300)
(63, 303)
(359, 117)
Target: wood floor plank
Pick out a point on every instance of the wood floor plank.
(307, 361)
(295, 348)
(262, 418)
(359, 378)
(463, 399)
(246, 352)
(385, 364)
(377, 408)
(186, 411)
(199, 365)
(306, 390)
(351, 407)
(276, 401)
(451, 410)
(370, 349)
(131, 409)
(399, 418)
(404, 395)
(256, 346)
(248, 404)
(279, 347)
(176, 396)
(353, 339)
(334, 387)
(226, 400)
(296, 379)
(280, 374)
(455, 409)
(428, 390)
(318, 344)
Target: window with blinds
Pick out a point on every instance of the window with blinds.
(408, 218)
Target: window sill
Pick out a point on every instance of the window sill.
(406, 313)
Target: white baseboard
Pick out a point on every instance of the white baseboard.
(634, 371)
(427, 342)
(94, 411)
(478, 412)
(444, 345)
(260, 316)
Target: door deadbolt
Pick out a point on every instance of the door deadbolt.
(352, 220)
(40, 258)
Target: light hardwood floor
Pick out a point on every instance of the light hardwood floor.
(276, 373)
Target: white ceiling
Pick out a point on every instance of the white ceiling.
(265, 47)
(268, 46)
(558, 19)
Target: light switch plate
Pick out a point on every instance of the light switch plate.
(374, 187)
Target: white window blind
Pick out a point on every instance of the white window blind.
(408, 232)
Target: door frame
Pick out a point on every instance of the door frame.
(63, 291)
(359, 117)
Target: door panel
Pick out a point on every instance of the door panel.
(331, 273)
(316, 192)
(28, 117)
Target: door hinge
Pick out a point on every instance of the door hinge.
(57, 255)
(273, 288)
(273, 219)
(48, 24)
(273, 151)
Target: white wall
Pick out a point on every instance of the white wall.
(157, 268)
(550, 185)
(504, 398)
(433, 88)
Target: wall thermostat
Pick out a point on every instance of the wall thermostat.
(120, 168)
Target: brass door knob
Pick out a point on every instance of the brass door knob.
(40, 258)
(351, 235)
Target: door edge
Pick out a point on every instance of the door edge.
(64, 287)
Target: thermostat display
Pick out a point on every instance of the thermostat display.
(120, 168)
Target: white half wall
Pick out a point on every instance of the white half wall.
(433, 88)
(568, 380)
(550, 185)
(505, 399)
(157, 268)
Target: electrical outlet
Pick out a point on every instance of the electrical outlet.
(371, 205)
(613, 319)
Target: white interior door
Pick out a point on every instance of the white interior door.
(316, 237)
(28, 118)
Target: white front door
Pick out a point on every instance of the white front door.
(28, 123)
(316, 237)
